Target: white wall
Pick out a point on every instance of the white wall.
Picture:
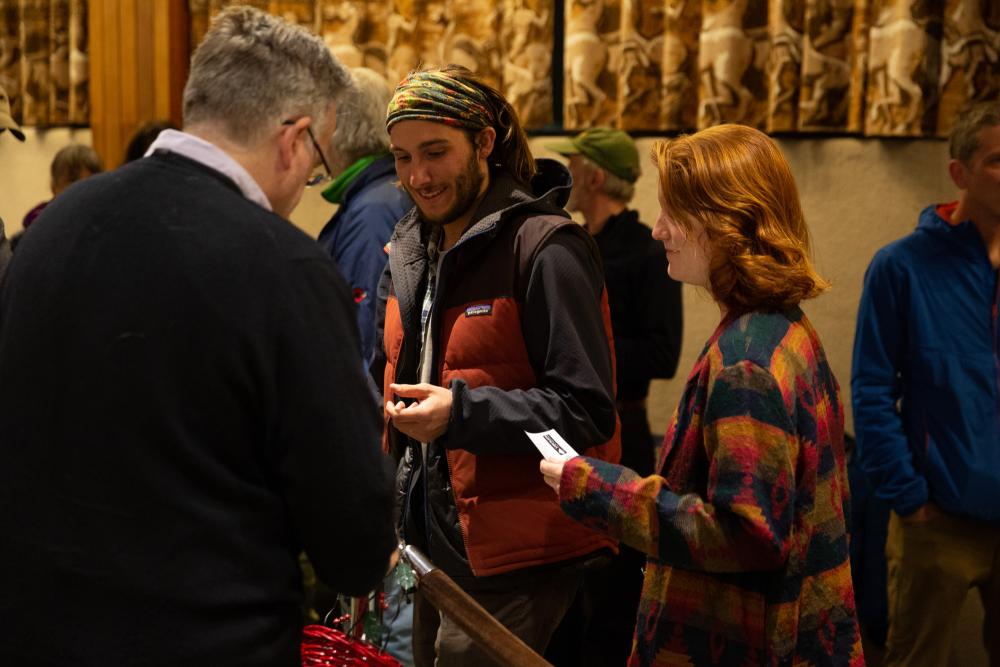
(24, 169)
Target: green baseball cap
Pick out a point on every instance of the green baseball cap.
(609, 149)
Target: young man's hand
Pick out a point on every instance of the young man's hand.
(427, 417)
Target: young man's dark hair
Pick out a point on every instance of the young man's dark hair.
(495, 323)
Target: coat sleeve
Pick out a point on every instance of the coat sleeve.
(744, 520)
(358, 247)
(567, 345)
(377, 362)
(653, 348)
(337, 483)
(876, 387)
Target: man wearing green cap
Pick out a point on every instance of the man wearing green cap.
(496, 323)
(646, 317)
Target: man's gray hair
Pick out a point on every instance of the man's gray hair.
(614, 186)
(361, 120)
(964, 139)
(254, 70)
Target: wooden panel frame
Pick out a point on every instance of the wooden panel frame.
(139, 52)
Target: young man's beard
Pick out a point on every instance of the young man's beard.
(467, 186)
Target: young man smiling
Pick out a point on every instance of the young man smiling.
(495, 323)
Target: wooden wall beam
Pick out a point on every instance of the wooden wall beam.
(139, 52)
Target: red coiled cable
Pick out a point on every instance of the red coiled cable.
(329, 647)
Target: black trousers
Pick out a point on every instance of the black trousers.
(598, 628)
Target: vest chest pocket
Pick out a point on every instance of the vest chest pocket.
(483, 345)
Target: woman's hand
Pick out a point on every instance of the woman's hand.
(552, 472)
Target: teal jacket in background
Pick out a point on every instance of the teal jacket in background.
(925, 376)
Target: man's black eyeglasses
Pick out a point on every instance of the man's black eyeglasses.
(315, 179)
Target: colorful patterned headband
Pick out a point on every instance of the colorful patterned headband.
(440, 98)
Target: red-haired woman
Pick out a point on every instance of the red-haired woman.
(744, 525)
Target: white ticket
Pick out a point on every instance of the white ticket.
(552, 445)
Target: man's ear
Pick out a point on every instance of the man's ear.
(596, 178)
(485, 141)
(289, 140)
(959, 174)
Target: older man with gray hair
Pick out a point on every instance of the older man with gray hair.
(365, 187)
(181, 405)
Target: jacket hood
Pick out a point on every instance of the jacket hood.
(933, 221)
(383, 166)
(547, 194)
(552, 181)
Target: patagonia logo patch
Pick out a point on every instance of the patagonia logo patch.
(479, 310)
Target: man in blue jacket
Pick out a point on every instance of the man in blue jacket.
(371, 203)
(927, 402)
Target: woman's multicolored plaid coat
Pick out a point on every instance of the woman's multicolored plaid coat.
(745, 526)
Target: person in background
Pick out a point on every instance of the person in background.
(71, 164)
(6, 123)
(744, 521)
(182, 405)
(925, 391)
(369, 198)
(144, 137)
(647, 321)
(495, 323)
(370, 203)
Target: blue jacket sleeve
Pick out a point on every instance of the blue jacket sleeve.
(880, 346)
(358, 248)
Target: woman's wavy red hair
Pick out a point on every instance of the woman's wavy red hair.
(734, 181)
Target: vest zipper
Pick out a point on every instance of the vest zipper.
(458, 512)
(435, 324)
(409, 473)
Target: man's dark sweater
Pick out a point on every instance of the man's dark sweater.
(181, 412)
